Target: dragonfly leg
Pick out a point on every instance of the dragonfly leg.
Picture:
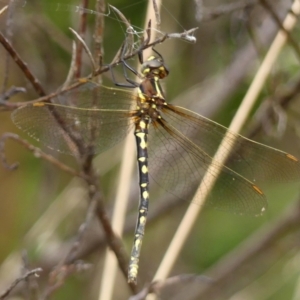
(130, 83)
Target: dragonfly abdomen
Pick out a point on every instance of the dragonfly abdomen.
(141, 133)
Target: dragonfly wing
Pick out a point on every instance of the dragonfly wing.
(91, 95)
(179, 165)
(257, 162)
(84, 117)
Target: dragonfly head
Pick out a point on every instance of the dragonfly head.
(154, 67)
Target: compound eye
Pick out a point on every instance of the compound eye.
(154, 64)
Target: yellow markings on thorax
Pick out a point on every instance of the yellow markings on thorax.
(142, 159)
(146, 71)
(157, 88)
(292, 157)
(143, 124)
(141, 136)
(141, 96)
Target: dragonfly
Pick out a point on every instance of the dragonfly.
(175, 146)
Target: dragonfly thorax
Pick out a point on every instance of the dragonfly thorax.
(148, 113)
(150, 107)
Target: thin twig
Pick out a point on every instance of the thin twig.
(72, 68)
(22, 278)
(86, 48)
(58, 276)
(31, 287)
(11, 92)
(279, 23)
(37, 153)
(82, 29)
(187, 35)
(70, 257)
(127, 46)
(266, 112)
(98, 35)
(157, 12)
(170, 283)
(9, 33)
(22, 65)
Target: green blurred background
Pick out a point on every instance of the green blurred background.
(209, 77)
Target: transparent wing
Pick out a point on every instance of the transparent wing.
(181, 151)
(91, 115)
(256, 162)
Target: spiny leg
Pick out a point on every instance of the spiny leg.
(141, 133)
